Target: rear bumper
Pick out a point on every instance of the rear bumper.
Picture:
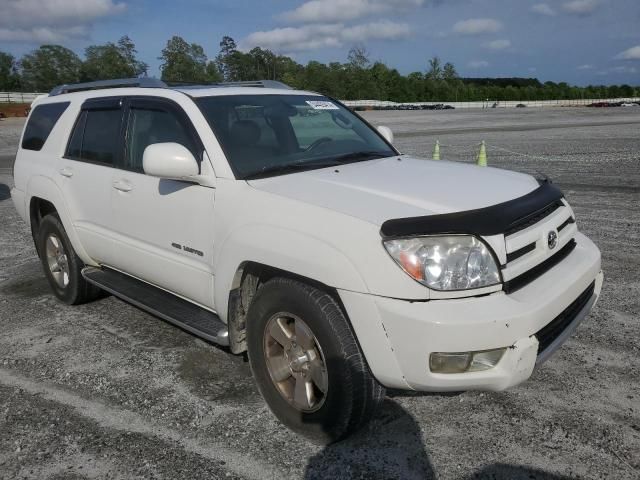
(398, 355)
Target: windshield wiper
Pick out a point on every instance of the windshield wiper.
(359, 156)
(271, 170)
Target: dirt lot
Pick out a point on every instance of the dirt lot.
(106, 391)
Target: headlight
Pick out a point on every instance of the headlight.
(459, 262)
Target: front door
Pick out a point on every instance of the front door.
(164, 228)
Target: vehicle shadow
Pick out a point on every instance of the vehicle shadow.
(4, 192)
(392, 447)
(389, 447)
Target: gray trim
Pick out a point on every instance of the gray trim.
(254, 84)
(221, 337)
(557, 343)
(147, 82)
(143, 82)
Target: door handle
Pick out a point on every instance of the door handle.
(122, 185)
(66, 172)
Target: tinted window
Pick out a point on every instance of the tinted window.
(75, 144)
(96, 136)
(266, 135)
(40, 124)
(149, 125)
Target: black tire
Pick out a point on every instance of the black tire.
(352, 395)
(77, 290)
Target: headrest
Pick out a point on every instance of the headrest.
(245, 132)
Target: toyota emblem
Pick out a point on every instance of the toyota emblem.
(552, 239)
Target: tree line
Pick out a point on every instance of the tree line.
(357, 78)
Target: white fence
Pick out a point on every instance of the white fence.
(491, 103)
(17, 97)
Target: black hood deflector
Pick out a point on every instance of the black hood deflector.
(501, 218)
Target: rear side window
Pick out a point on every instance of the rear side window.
(96, 136)
(41, 122)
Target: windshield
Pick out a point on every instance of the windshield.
(266, 135)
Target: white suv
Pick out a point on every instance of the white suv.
(280, 223)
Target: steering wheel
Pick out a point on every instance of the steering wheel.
(317, 143)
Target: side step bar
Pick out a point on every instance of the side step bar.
(175, 310)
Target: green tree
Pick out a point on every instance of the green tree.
(228, 59)
(112, 60)
(359, 57)
(449, 72)
(48, 66)
(9, 77)
(435, 69)
(185, 62)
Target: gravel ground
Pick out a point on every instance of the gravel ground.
(106, 391)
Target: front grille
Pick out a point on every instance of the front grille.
(552, 330)
(568, 221)
(520, 252)
(534, 218)
(539, 270)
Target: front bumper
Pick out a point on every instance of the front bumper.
(398, 336)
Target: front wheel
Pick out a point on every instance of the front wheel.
(307, 363)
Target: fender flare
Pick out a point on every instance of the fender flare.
(43, 187)
(291, 251)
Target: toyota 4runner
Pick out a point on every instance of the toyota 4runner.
(280, 223)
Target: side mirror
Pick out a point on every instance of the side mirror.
(386, 133)
(169, 160)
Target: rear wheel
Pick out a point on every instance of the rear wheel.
(61, 265)
(307, 363)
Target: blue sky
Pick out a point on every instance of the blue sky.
(578, 41)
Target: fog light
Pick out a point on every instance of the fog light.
(461, 362)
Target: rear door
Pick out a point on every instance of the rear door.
(164, 227)
(94, 147)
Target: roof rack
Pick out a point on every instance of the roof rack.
(252, 83)
(144, 82)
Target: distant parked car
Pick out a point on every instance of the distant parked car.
(601, 104)
(521, 105)
(448, 107)
(630, 104)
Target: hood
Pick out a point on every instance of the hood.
(398, 187)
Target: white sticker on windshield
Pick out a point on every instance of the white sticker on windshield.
(322, 105)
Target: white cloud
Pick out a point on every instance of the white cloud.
(477, 26)
(500, 44)
(318, 11)
(39, 21)
(581, 7)
(543, 9)
(478, 64)
(586, 66)
(42, 34)
(311, 37)
(632, 53)
(622, 70)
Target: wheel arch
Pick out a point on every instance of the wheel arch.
(248, 278)
(43, 198)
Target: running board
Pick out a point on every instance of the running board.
(165, 305)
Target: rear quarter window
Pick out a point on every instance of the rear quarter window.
(41, 122)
